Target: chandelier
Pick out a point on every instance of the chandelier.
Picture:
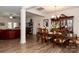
(56, 17)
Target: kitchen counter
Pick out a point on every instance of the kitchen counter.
(9, 33)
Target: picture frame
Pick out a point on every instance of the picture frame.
(45, 22)
(2, 24)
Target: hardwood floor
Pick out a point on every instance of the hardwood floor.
(32, 46)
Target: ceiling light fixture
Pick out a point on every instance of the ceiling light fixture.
(11, 17)
(54, 16)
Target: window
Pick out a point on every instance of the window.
(10, 25)
(14, 25)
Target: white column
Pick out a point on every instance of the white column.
(23, 25)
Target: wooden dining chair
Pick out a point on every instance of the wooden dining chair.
(45, 36)
(71, 41)
(59, 39)
(39, 34)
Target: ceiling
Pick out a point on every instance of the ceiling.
(10, 10)
(29, 14)
(49, 9)
(15, 10)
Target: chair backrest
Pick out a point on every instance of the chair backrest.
(45, 32)
(39, 30)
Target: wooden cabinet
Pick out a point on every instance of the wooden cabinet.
(9, 34)
(63, 24)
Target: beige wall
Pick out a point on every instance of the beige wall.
(5, 20)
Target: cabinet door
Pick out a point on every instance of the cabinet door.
(12, 34)
(0, 34)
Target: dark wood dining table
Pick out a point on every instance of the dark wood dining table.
(61, 39)
(58, 38)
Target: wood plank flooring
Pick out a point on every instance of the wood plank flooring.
(32, 46)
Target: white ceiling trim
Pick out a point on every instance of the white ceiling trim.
(33, 11)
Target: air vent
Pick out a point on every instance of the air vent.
(40, 8)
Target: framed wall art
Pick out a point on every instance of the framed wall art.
(45, 22)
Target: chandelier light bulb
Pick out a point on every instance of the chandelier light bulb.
(53, 16)
(11, 17)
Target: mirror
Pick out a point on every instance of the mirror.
(70, 25)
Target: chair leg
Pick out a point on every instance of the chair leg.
(42, 40)
(76, 45)
(37, 39)
(48, 41)
(53, 44)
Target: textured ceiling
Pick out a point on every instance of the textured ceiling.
(15, 10)
(49, 9)
(7, 10)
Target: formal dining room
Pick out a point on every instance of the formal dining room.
(39, 29)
